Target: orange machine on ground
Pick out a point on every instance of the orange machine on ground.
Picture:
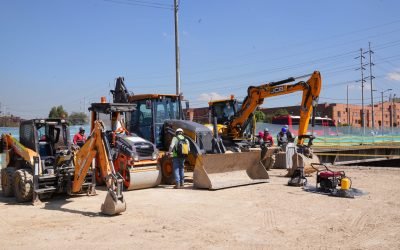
(43, 163)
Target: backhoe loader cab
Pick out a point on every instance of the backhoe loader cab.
(151, 112)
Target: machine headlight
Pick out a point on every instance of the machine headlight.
(135, 157)
(154, 156)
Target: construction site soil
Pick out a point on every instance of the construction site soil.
(264, 216)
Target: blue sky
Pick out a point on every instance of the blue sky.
(69, 52)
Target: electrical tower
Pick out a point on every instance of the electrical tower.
(371, 77)
(362, 80)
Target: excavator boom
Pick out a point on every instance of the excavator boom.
(256, 95)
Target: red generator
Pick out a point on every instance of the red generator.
(327, 180)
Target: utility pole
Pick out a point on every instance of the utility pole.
(382, 107)
(371, 77)
(348, 111)
(362, 89)
(177, 57)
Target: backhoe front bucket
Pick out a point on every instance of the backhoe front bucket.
(217, 171)
(112, 206)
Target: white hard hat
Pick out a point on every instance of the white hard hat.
(266, 130)
(179, 130)
(286, 126)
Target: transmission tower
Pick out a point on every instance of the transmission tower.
(362, 80)
(371, 77)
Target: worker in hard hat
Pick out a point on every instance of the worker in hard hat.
(179, 149)
(289, 134)
(80, 137)
(268, 140)
(282, 138)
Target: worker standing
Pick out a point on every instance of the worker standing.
(282, 138)
(268, 138)
(178, 149)
(80, 138)
(289, 134)
(260, 138)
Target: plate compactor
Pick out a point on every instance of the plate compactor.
(328, 181)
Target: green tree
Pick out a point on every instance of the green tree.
(268, 117)
(260, 116)
(78, 118)
(58, 112)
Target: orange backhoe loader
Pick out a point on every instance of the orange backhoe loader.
(43, 163)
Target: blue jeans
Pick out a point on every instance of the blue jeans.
(178, 164)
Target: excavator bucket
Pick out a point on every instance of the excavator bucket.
(113, 205)
(218, 171)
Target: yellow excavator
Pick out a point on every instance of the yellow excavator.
(234, 119)
(156, 118)
(43, 163)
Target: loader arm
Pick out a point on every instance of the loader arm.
(10, 142)
(97, 146)
(256, 95)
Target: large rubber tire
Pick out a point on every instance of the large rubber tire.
(7, 181)
(23, 185)
(167, 171)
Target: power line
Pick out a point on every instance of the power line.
(142, 3)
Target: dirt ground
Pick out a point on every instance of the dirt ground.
(263, 216)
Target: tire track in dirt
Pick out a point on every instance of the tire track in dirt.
(269, 219)
(363, 228)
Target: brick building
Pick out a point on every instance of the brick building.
(336, 111)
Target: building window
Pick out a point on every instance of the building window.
(338, 114)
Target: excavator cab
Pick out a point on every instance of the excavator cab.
(224, 110)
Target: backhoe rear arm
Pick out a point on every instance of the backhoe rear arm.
(96, 145)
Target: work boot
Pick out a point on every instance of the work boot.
(182, 184)
(177, 186)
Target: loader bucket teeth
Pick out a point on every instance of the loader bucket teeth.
(218, 171)
(113, 206)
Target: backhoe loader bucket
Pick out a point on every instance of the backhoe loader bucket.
(217, 171)
(113, 205)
